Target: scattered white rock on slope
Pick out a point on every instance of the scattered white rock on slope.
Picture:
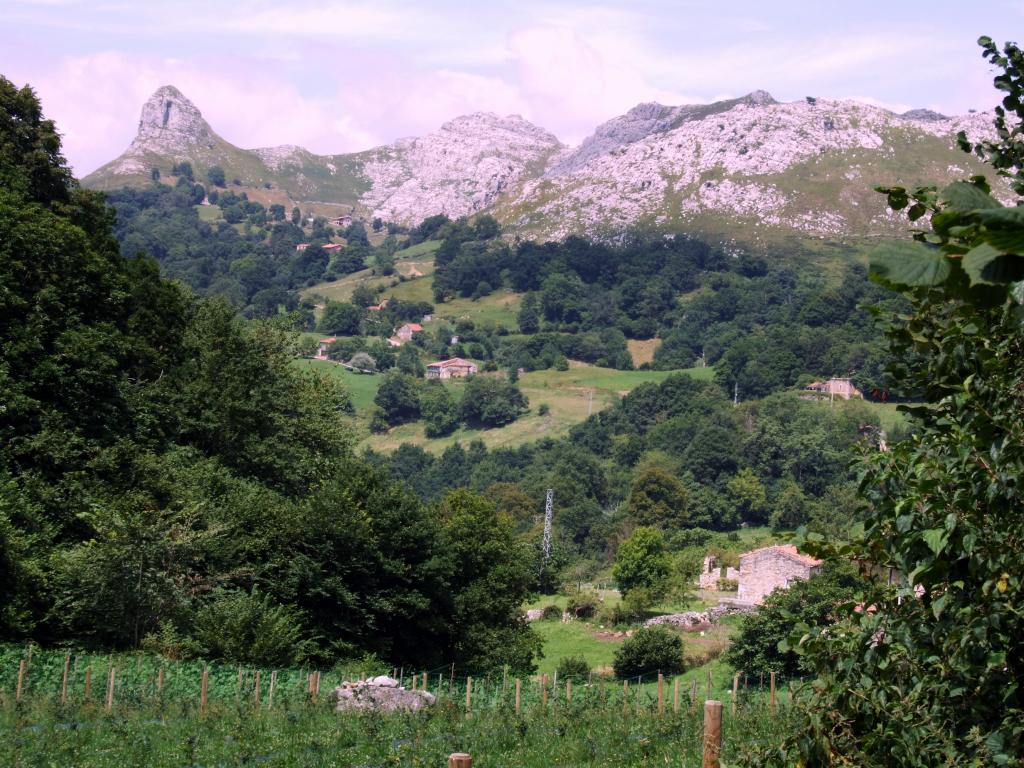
(379, 694)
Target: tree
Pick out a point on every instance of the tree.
(296, 216)
(276, 211)
(439, 410)
(215, 175)
(363, 362)
(649, 651)
(657, 498)
(748, 494)
(489, 402)
(946, 506)
(408, 361)
(363, 296)
(642, 561)
(529, 314)
(815, 602)
(398, 398)
(341, 318)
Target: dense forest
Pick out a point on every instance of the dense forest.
(169, 479)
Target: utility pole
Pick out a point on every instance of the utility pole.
(549, 510)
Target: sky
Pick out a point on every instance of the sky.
(339, 76)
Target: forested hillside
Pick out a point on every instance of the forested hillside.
(169, 479)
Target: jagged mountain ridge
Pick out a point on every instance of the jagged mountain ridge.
(741, 167)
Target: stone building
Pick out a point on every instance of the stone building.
(712, 571)
(835, 387)
(765, 569)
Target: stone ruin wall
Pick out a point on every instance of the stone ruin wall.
(712, 572)
(761, 572)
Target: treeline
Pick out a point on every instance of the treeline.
(677, 456)
(170, 479)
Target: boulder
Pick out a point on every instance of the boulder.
(379, 694)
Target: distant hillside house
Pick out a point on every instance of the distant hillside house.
(456, 368)
(768, 568)
(406, 332)
(301, 246)
(331, 247)
(378, 307)
(835, 388)
(341, 221)
(322, 346)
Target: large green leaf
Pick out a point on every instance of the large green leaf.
(1001, 215)
(987, 265)
(910, 264)
(1006, 240)
(965, 197)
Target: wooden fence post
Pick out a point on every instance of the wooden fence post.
(675, 695)
(257, 691)
(460, 760)
(712, 734)
(110, 688)
(64, 679)
(238, 688)
(270, 693)
(426, 683)
(625, 697)
(735, 691)
(88, 681)
(519, 691)
(661, 694)
(709, 684)
(504, 678)
(204, 683)
(21, 680)
(771, 694)
(469, 696)
(160, 683)
(568, 691)
(544, 691)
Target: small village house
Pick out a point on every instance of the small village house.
(407, 331)
(767, 568)
(455, 368)
(322, 346)
(835, 387)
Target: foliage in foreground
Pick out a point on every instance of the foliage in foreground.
(929, 673)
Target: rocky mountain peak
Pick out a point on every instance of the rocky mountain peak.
(170, 122)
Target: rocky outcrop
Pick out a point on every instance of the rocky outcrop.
(379, 694)
(459, 170)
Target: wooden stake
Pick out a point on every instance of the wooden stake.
(64, 680)
(238, 688)
(256, 695)
(414, 679)
(160, 682)
(426, 684)
(735, 691)
(712, 734)
(504, 679)
(544, 690)
(568, 691)
(21, 679)
(460, 760)
(661, 694)
(709, 684)
(88, 681)
(675, 695)
(554, 688)
(270, 693)
(519, 691)
(204, 683)
(771, 693)
(110, 688)
(625, 697)
(469, 696)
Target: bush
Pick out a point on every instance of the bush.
(242, 627)
(551, 613)
(727, 585)
(650, 650)
(544, 409)
(583, 606)
(573, 668)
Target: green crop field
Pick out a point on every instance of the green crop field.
(600, 723)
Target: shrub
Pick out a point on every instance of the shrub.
(583, 606)
(243, 627)
(727, 585)
(573, 668)
(551, 613)
(543, 409)
(650, 650)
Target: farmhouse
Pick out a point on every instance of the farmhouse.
(322, 346)
(331, 247)
(301, 247)
(835, 387)
(765, 569)
(456, 368)
(404, 334)
(341, 221)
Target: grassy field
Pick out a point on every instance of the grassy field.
(642, 351)
(602, 725)
(361, 387)
(570, 395)
(498, 308)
